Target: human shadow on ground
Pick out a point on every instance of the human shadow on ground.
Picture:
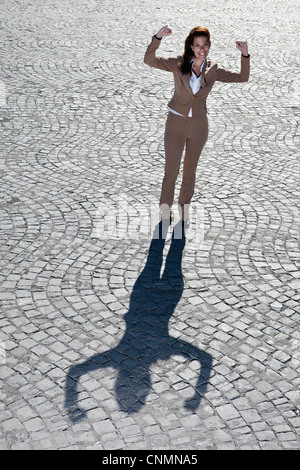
(146, 339)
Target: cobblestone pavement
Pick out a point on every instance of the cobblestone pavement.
(98, 350)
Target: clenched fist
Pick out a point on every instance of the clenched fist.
(164, 31)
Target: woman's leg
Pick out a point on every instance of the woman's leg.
(175, 137)
(194, 146)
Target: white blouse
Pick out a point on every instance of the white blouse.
(195, 85)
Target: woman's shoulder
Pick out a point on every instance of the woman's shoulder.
(211, 69)
(211, 64)
(176, 62)
(178, 59)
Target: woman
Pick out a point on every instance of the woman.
(187, 126)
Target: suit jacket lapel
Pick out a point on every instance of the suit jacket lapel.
(203, 81)
(186, 80)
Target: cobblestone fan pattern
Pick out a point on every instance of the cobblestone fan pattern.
(99, 350)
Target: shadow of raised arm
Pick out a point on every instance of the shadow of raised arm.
(146, 338)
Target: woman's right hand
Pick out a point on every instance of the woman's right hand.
(164, 31)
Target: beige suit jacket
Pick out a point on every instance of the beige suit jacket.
(184, 99)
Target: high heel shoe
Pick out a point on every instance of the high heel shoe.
(185, 223)
(166, 218)
(164, 225)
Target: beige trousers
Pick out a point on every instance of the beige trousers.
(182, 132)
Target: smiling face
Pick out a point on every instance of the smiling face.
(200, 47)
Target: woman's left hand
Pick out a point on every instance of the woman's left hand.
(242, 46)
